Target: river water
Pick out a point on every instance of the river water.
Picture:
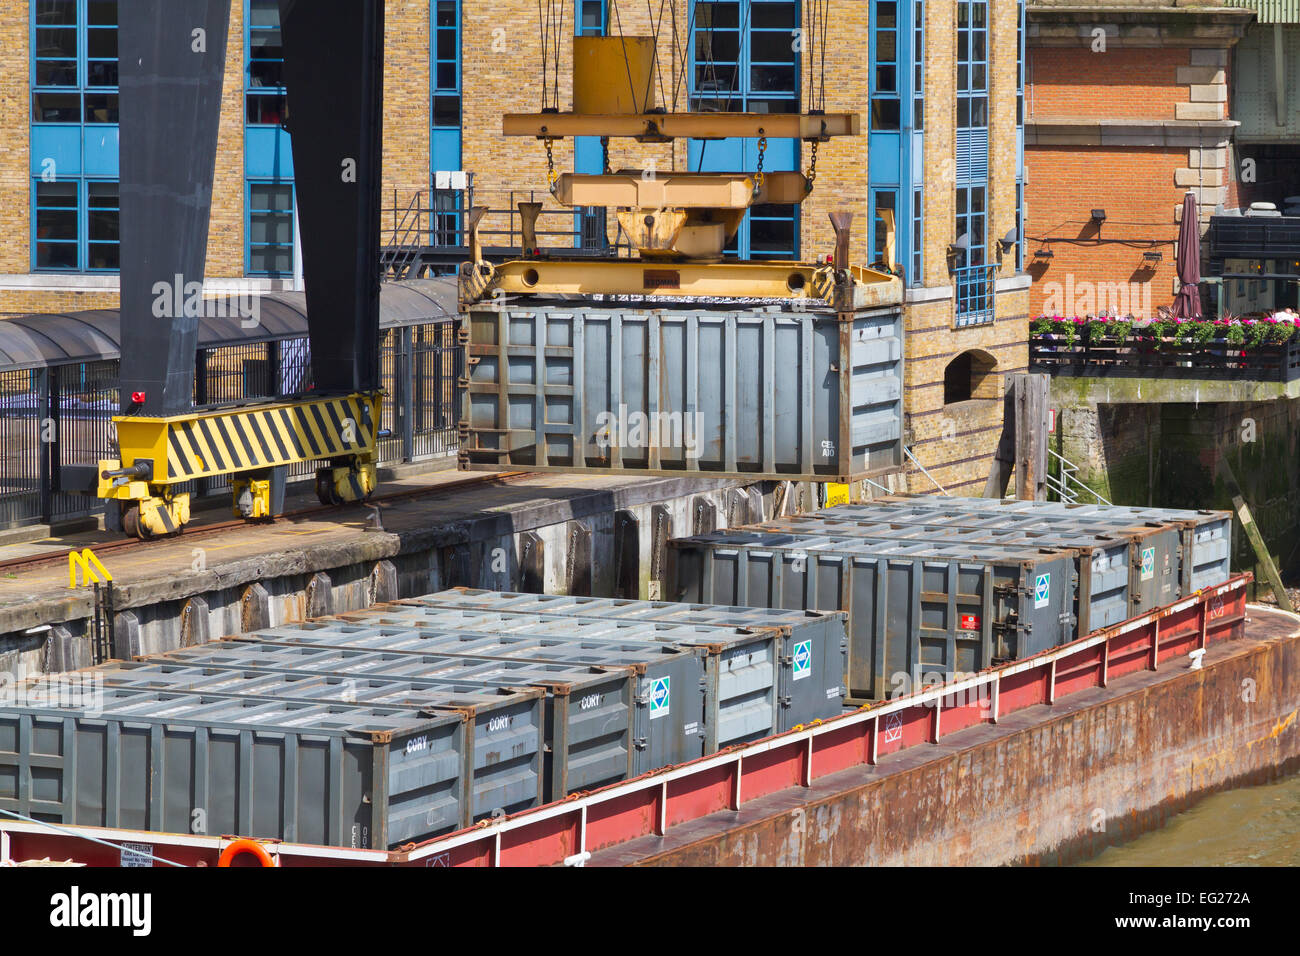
(1253, 826)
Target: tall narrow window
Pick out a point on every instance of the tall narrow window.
(447, 118)
(268, 152)
(744, 59)
(74, 136)
(974, 280)
(884, 204)
(886, 111)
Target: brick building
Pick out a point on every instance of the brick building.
(1127, 110)
(940, 84)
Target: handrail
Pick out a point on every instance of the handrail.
(1065, 484)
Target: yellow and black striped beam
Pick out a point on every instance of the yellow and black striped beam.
(251, 438)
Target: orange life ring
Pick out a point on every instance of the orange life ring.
(245, 846)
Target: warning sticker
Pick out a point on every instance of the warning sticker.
(803, 660)
(1148, 563)
(136, 854)
(659, 697)
(1042, 589)
(969, 622)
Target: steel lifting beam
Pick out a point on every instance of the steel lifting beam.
(661, 127)
(848, 290)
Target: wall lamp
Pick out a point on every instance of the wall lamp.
(1008, 242)
(1153, 256)
(1099, 216)
(1044, 254)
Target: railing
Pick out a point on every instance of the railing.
(432, 229)
(975, 287)
(1139, 356)
(1066, 485)
(651, 805)
(56, 418)
(1254, 237)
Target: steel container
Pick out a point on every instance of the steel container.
(669, 720)
(813, 651)
(743, 667)
(753, 392)
(914, 610)
(304, 772)
(1107, 568)
(1206, 535)
(587, 720)
(1156, 546)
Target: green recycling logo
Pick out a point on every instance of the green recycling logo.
(659, 697)
(802, 660)
(1042, 589)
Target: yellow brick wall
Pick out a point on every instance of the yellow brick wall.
(15, 140)
(407, 89)
(226, 225)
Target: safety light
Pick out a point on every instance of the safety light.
(138, 398)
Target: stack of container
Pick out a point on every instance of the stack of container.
(915, 609)
(298, 770)
(412, 719)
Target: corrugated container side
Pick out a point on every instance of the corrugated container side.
(913, 612)
(588, 722)
(307, 773)
(1102, 564)
(669, 725)
(742, 665)
(685, 390)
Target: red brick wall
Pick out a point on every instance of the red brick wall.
(1074, 81)
(1135, 187)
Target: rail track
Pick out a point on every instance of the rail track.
(119, 546)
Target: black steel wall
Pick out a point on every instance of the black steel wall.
(63, 415)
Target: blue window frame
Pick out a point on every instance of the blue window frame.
(74, 136)
(264, 92)
(268, 153)
(743, 59)
(270, 228)
(896, 128)
(973, 274)
(446, 117)
(1020, 137)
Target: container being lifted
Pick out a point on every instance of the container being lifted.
(673, 359)
(305, 772)
(914, 609)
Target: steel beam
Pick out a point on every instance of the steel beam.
(659, 127)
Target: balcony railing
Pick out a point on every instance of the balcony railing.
(1143, 357)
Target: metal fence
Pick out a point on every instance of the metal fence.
(62, 416)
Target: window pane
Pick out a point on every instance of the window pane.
(446, 111)
(270, 259)
(773, 105)
(104, 255)
(446, 13)
(101, 44)
(56, 224)
(56, 255)
(445, 76)
(264, 13)
(446, 45)
(266, 108)
(49, 12)
(102, 195)
(102, 13)
(772, 48)
(272, 196)
(265, 73)
(885, 114)
(101, 73)
(56, 73)
(718, 15)
(56, 107)
(918, 113)
(270, 227)
(886, 47)
(886, 79)
(768, 78)
(772, 15)
(101, 108)
(58, 43)
(886, 16)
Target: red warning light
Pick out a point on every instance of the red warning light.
(138, 398)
